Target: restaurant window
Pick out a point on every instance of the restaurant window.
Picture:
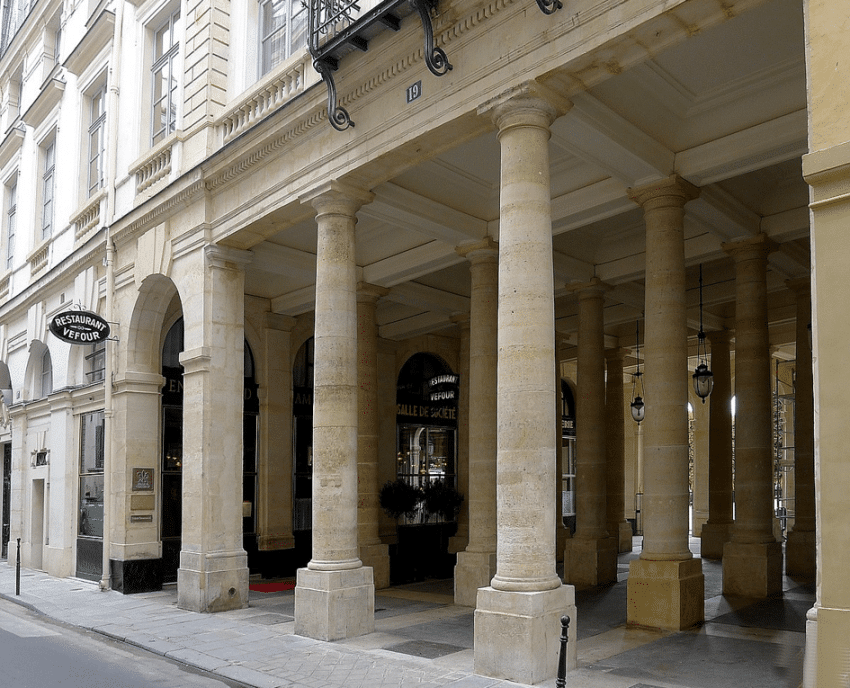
(91, 474)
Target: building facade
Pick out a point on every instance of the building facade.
(441, 244)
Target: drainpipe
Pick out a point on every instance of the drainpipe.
(109, 259)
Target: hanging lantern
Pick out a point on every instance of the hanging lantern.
(703, 377)
(637, 405)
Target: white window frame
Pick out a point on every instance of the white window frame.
(46, 378)
(277, 43)
(96, 140)
(48, 187)
(11, 219)
(165, 61)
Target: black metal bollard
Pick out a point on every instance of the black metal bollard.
(562, 658)
(18, 570)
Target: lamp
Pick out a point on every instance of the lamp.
(703, 377)
(637, 405)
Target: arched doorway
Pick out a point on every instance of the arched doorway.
(302, 437)
(426, 429)
(171, 512)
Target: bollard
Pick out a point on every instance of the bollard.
(561, 682)
(18, 570)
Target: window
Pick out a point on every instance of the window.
(91, 474)
(46, 374)
(96, 362)
(97, 128)
(283, 30)
(11, 220)
(47, 186)
(166, 48)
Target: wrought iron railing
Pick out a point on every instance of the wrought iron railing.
(337, 27)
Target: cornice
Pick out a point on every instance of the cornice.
(160, 211)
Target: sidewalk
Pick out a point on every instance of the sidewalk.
(421, 639)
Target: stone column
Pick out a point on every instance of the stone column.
(666, 585)
(477, 564)
(800, 547)
(590, 556)
(459, 541)
(213, 572)
(717, 530)
(275, 450)
(752, 560)
(615, 450)
(517, 619)
(335, 593)
(373, 552)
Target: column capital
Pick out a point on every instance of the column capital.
(277, 321)
(672, 191)
(719, 337)
(336, 197)
(746, 249)
(617, 355)
(227, 258)
(595, 287)
(802, 286)
(461, 320)
(370, 293)
(479, 251)
(528, 104)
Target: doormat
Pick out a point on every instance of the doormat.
(277, 586)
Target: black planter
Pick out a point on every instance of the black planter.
(422, 552)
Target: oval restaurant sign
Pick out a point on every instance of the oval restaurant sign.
(79, 327)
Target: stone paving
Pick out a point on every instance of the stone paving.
(421, 639)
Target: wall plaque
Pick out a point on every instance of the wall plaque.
(143, 479)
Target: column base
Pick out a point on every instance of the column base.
(624, 537)
(752, 569)
(810, 664)
(459, 541)
(517, 634)
(714, 536)
(212, 581)
(831, 662)
(378, 557)
(333, 605)
(473, 570)
(800, 555)
(590, 562)
(668, 595)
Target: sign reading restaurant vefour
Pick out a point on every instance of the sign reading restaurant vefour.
(79, 327)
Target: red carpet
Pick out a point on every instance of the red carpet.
(278, 586)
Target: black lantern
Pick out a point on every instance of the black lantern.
(703, 378)
(637, 405)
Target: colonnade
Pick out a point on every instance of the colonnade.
(507, 570)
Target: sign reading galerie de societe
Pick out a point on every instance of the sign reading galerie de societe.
(79, 327)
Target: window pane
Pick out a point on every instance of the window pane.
(91, 505)
(91, 443)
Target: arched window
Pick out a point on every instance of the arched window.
(46, 379)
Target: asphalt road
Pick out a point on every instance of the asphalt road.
(37, 652)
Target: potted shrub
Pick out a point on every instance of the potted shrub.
(442, 499)
(399, 498)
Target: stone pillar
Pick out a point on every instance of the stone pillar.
(459, 541)
(477, 564)
(275, 450)
(615, 450)
(590, 556)
(517, 618)
(213, 572)
(335, 593)
(718, 529)
(800, 547)
(752, 559)
(136, 552)
(666, 585)
(372, 551)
